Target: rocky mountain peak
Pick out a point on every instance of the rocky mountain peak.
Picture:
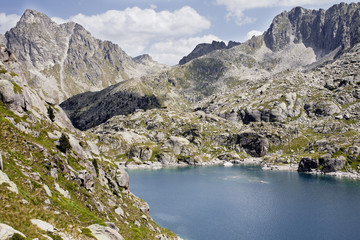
(322, 30)
(32, 16)
(65, 60)
(205, 48)
(143, 58)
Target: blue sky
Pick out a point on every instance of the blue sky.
(166, 29)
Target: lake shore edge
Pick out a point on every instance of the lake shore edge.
(248, 161)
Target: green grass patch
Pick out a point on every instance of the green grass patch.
(87, 232)
(17, 88)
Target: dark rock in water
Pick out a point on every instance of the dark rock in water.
(307, 164)
(254, 144)
(331, 164)
(205, 48)
(326, 163)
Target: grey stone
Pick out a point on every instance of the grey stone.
(53, 173)
(112, 226)
(142, 152)
(321, 109)
(119, 211)
(6, 232)
(145, 208)
(47, 190)
(122, 178)
(137, 223)
(85, 179)
(63, 192)
(332, 164)
(176, 144)
(47, 227)
(11, 185)
(307, 164)
(104, 233)
(253, 143)
(167, 158)
(8, 95)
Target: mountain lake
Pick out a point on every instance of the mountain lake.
(246, 202)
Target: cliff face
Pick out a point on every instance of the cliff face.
(322, 30)
(64, 60)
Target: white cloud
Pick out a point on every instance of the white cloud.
(134, 29)
(253, 33)
(236, 8)
(59, 20)
(171, 51)
(8, 21)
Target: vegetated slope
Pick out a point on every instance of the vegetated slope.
(54, 182)
(64, 60)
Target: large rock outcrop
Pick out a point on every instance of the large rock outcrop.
(322, 30)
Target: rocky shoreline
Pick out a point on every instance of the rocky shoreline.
(247, 161)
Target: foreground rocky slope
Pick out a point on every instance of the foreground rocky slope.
(54, 184)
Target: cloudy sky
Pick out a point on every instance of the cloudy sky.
(165, 29)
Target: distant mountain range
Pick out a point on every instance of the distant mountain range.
(64, 60)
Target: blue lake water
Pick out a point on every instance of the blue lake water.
(245, 202)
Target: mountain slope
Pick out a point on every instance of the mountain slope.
(64, 60)
(53, 181)
(294, 41)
